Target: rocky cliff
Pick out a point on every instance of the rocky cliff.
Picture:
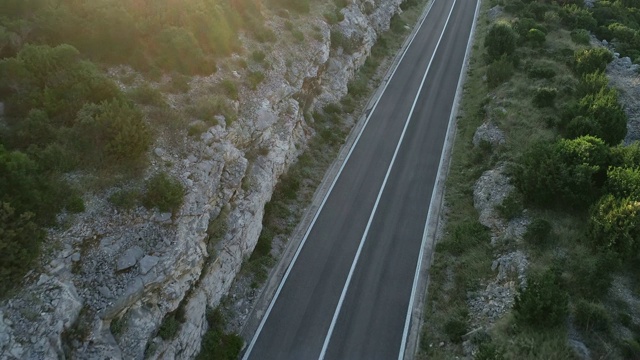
(109, 278)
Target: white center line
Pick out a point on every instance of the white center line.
(384, 183)
(335, 179)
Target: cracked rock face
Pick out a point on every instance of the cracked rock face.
(110, 277)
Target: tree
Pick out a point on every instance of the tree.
(20, 238)
(614, 225)
(501, 40)
(543, 303)
(591, 60)
(566, 173)
(602, 116)
(623, 182)
(110, 133)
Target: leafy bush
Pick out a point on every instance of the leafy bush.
(538, 233)
(590, 275)
(591, 60)
(179, 50)
(591, 316)
(20, 239)
(164, 193)
(501, 40)
(511, 207)
(614, 225)
(601, 116)
(216, 345)
(206, 108)
(170, 325)
(564, 173)
(465, 236)
(580, 36)
(541, 70)
(536, 37)
(147, 95)
(499, 72)
(623, 182)
(110, 133)
(544, 97)
(576, 17)
(455, 328)
(630, 349)
(255, 78)
(543, 303)
(258, 56)
(230, 89)
(592, 83)
(490, 351)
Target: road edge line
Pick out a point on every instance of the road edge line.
(445, 159)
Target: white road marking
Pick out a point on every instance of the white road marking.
(306, 235)
(384, 183)
(438, 175)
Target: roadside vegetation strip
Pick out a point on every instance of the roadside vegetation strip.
(545, 89)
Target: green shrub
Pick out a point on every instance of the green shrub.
(455, 328)
(562, 173)
(216, 345)
(110, 133)
(258, 56)
(591, 60)
(464, 237)
(147, 95)
(580, 36)
(263, 246)
(75, 204)
(255, 78)
(543, 303)
(592, 83)
(179, 84)
(541, 70)
(536, 37)
(298, 35)
(20, 239)
(623, 182)
(499, 72)
(511, 207)
(164, 193)
(538, 233)
(577, 17)
(230, 89)
(601, 115)
(590, 275)
(397, 25)
(614, 225)
(591, 316)
(490, 351)
(179, 50)
(170, 326)
(206, 108)
(500, 40)
(544, 97)
(630, 349)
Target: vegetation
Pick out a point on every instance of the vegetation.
(564, 126)
(164, 193)
(216, 344)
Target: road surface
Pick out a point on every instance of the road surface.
(346, 294)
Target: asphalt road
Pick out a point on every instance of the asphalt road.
(346, 295)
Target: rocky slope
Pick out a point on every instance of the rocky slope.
(109, 278)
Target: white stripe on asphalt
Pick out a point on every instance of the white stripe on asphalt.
(384, 183)
(438, 175)
(335, 179)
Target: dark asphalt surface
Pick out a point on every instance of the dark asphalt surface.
(371, 321)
